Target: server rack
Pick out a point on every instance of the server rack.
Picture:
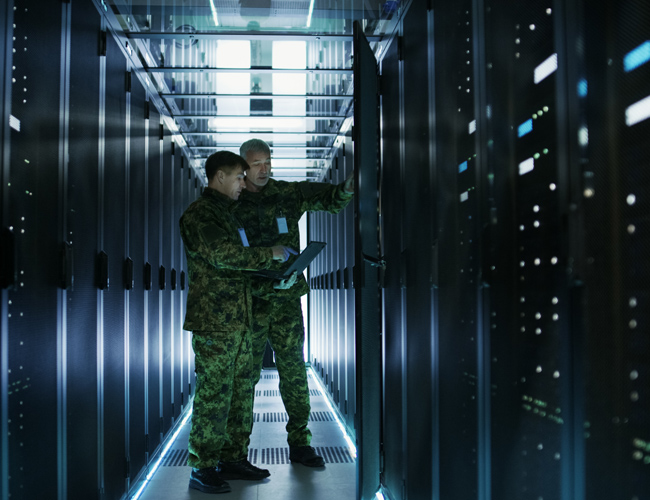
(86, 346)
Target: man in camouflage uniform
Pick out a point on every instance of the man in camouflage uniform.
(219, 316)
(269, 211)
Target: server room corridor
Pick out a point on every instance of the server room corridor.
(268, 449)
(477, 324)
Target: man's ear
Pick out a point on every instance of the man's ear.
(220, 175)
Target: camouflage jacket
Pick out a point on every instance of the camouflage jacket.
(219, 293)
(259, 212)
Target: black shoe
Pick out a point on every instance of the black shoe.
(305, 455)
(242, 470)
(208, 481)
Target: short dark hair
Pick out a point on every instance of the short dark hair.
(223, 160)
(254, 146)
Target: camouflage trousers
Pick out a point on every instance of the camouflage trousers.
(222, 413)
(280, 321)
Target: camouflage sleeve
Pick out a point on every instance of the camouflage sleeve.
(321, 196)
(215, 242)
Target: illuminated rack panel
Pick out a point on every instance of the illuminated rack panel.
(459, 322)
(540, 255)
(616, 199)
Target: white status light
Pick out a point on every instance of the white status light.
(546, 68)
(638, 112)
(526, 166)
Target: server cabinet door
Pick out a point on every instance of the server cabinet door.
(368, 345)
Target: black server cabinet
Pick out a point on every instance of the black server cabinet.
(35, 200)
(166, 209)
(112, 302)
(152, 283)
(531, 333)
(133, 279)
(350, 411)
(418, 228)
(614, 91)
(391, 223)
(83, 236)
(458, 204)
(179, 355)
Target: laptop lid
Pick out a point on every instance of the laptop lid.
(299, 264)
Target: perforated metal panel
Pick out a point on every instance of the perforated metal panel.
(82, 310)
(614, 186)
(166, 210)
(33, 195)
(458, 211)
(392, 222)
(114, 197)
(368, 346)
(137, 333)
(154, 340)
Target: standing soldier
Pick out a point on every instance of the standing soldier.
(270, 211)
(219, 316)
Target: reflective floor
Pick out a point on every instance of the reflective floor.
(269, 450)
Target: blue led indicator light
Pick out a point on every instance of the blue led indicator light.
(582, 88)
(637, 57)
(525, 127)
(462, 167)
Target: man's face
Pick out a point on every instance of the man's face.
(258, 175)
(233, 183)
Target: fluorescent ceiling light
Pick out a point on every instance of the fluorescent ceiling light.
(290, 55)
(213, 8)
(233, 54)
(311, 11)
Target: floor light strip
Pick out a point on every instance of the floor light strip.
(169, 444)
(336, 413)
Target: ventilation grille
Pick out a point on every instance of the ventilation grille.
(175, 458)
(276, 393)
(275, 376)
(280, 456)
(268, 456)
(280, 416)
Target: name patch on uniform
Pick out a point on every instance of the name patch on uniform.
(242, 235)
(282, 225)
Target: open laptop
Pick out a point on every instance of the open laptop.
(300, 264)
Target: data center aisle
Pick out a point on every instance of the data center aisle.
(269, 450)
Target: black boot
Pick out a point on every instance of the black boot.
(305, 455)
(242, 469)
(208, 481)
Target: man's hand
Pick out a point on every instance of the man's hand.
(348, 187)
(288, 283)
(282, 253)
